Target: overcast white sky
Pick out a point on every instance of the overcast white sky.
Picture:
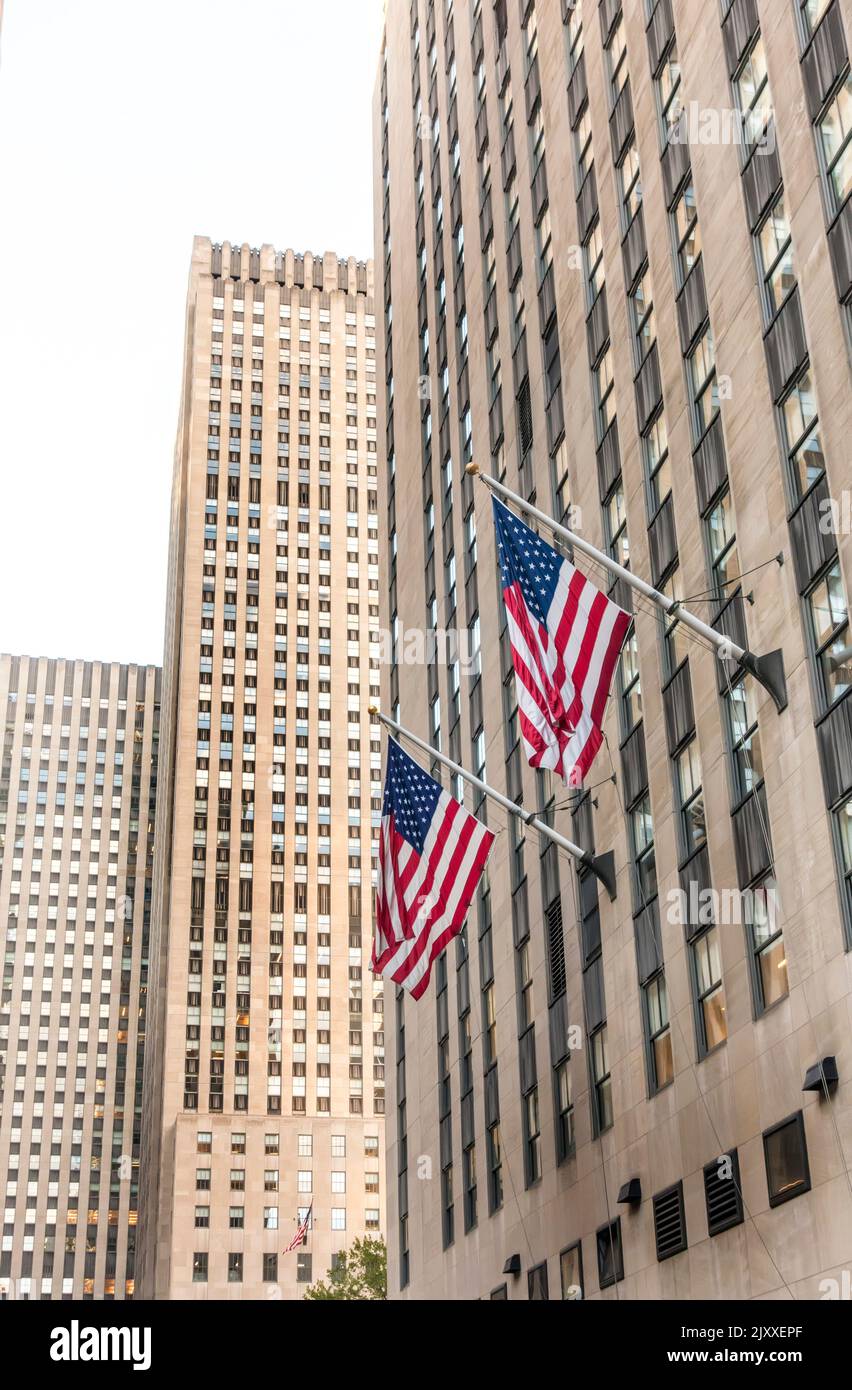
(125, 130)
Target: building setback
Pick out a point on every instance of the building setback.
(77, 800)
(265, 1093)
(640, 321)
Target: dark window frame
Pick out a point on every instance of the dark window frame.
(797, 1120)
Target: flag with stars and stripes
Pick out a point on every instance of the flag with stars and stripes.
(301, 1234)
(431, 856)
(566, 637)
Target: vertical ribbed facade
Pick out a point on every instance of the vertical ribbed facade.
(265, 1094)
(77, 804)
(613, 247)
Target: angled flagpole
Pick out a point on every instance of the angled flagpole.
(768, 670)
(601, 865)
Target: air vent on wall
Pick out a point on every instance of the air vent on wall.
(723, 1193)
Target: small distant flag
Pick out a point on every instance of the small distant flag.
(566, 637)
(299, 1237)
(431, 856)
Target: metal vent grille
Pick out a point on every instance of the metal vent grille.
(555, 948)
(669, 1222)
(723, 1193)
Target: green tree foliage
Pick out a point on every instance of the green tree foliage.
(361, 1273)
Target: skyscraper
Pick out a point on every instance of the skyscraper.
(77, 799)
(613, 246)
(265, 1092)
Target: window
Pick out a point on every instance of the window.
(270, 1218)
(525, 981)
(532, 1138)
(489, 1036)
(802, 436)
(775, 253)
(565, 1111)
(447, 1206)
(642, 316)
(687, 233)
(236, 1218)
(786, 1155)
(645, 859)
(238, 1179)
(835, 128)
(630, 684)
(722, 544)
(829, 623)
(205, 1143)
(618, 542)
(270, 1269)
(303, 1268)
(537, 1284)
(668, 88)
(575, 35)
(235, 1269)
(617, 51)
(469, 1166)
(753, 95)
(691, 794)
(659, 1032)
(199, 1267)
(629, 185)
(593, 256)
(583, 146)
(238, 1143)
(202, 1216)
(305, 1181)
(338, 1182)
(710, 992)
(843, 826)
(602, 1080)
(675, 644)
(769, 960)
(571, 1273)
(338, 1218)
(305, 1146)
(746, 756)
(202, 1179)
(604, 392)
(610, 1259)
(703, 385)
(722, 1193)
(495, 1169)
(812, 12)
(658, 469)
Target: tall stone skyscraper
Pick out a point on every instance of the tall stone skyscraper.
(77, 799)
(265, 1090)
(613, 257)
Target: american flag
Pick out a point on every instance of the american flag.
(431, 855)
(566, 638)
(299, 1237)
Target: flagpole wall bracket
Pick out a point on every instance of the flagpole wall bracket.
(768, 670)
(603, 868)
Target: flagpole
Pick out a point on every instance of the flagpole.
(601, 865)
(768, 669)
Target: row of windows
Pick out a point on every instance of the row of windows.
(787, 1176)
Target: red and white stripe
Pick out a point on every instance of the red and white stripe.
(422, 900)
(300, 1233)
(564, 669)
